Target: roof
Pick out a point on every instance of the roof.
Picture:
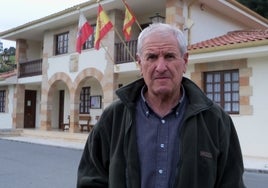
(231, 40)
(6, 75)
(35, 30)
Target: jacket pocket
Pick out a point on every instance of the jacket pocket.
(207, 168)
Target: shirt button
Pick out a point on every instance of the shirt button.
(163, 121)
(160, 171)
(162, 145)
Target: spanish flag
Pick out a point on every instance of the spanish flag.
(103, 26)
(128, 21)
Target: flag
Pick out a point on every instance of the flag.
(103, 26)
(84, 31)
(128, 21)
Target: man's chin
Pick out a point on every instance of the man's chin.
(162, 91)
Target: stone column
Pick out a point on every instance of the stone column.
(46, 104)
(174, 13)
(74, 112)
(21, 48)
(18, 106)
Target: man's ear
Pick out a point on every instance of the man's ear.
(138, 59)
(185, 59)
(139, 63)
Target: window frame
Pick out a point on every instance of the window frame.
(61, 43)
(85, 97)
(89, 44)
(3, 94)
(226, 98)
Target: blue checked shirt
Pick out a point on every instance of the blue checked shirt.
(158, 143)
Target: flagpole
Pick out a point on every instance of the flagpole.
(111, 58)
(109, 55)
(116, 31)
(136, 21)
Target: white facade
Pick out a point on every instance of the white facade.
(253, 129)
(209, 23)
(71, 71)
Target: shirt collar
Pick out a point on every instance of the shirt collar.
(147, 108)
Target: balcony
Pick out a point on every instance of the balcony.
(125, 53)
(122, 55)
(30, 68)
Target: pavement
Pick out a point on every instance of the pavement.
(44, 141)
(44, 137)
(78, 140)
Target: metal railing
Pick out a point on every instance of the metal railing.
(123, 55)
(30, 68)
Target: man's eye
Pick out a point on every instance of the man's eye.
(169, 56)
(151, 57)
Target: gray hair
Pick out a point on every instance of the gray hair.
(162, 28)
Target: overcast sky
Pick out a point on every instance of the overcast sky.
(18, 12)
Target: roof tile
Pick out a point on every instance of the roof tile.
(231, 38)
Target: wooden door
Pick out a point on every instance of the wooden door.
(61, 108)
(29, 108)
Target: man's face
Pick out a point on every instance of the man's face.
(162, 64)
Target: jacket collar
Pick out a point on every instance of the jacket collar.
(197, 99)
(129, 94)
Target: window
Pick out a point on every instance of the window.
(90, 41)
(84, 100)
(2, 100)
(223, 88)
(62, 43)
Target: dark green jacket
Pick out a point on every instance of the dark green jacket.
(210, 154)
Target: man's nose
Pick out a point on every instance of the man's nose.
(161, 64)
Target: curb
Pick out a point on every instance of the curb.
(10, 132)
(57, 143)
(252, 170)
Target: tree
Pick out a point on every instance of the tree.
(12, 51)
(259, 6)
(10, 64)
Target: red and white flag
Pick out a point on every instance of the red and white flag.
(84, 31)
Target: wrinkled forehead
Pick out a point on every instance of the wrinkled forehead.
(159, 32)
(160, 41)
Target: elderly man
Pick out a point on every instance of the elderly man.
(163, 131)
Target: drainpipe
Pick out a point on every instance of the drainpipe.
(188, 17)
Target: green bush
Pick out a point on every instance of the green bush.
(5, 68)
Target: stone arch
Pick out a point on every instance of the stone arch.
(61, 76)
(86, 73)
(51, 87)
(79, 82)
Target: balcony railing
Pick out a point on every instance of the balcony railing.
(30, 68)
(125, 53)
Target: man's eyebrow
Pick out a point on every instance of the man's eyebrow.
(150, 53)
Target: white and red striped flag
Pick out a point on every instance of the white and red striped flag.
(84, 31)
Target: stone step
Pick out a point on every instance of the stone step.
(10, 132)
(55, 134)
